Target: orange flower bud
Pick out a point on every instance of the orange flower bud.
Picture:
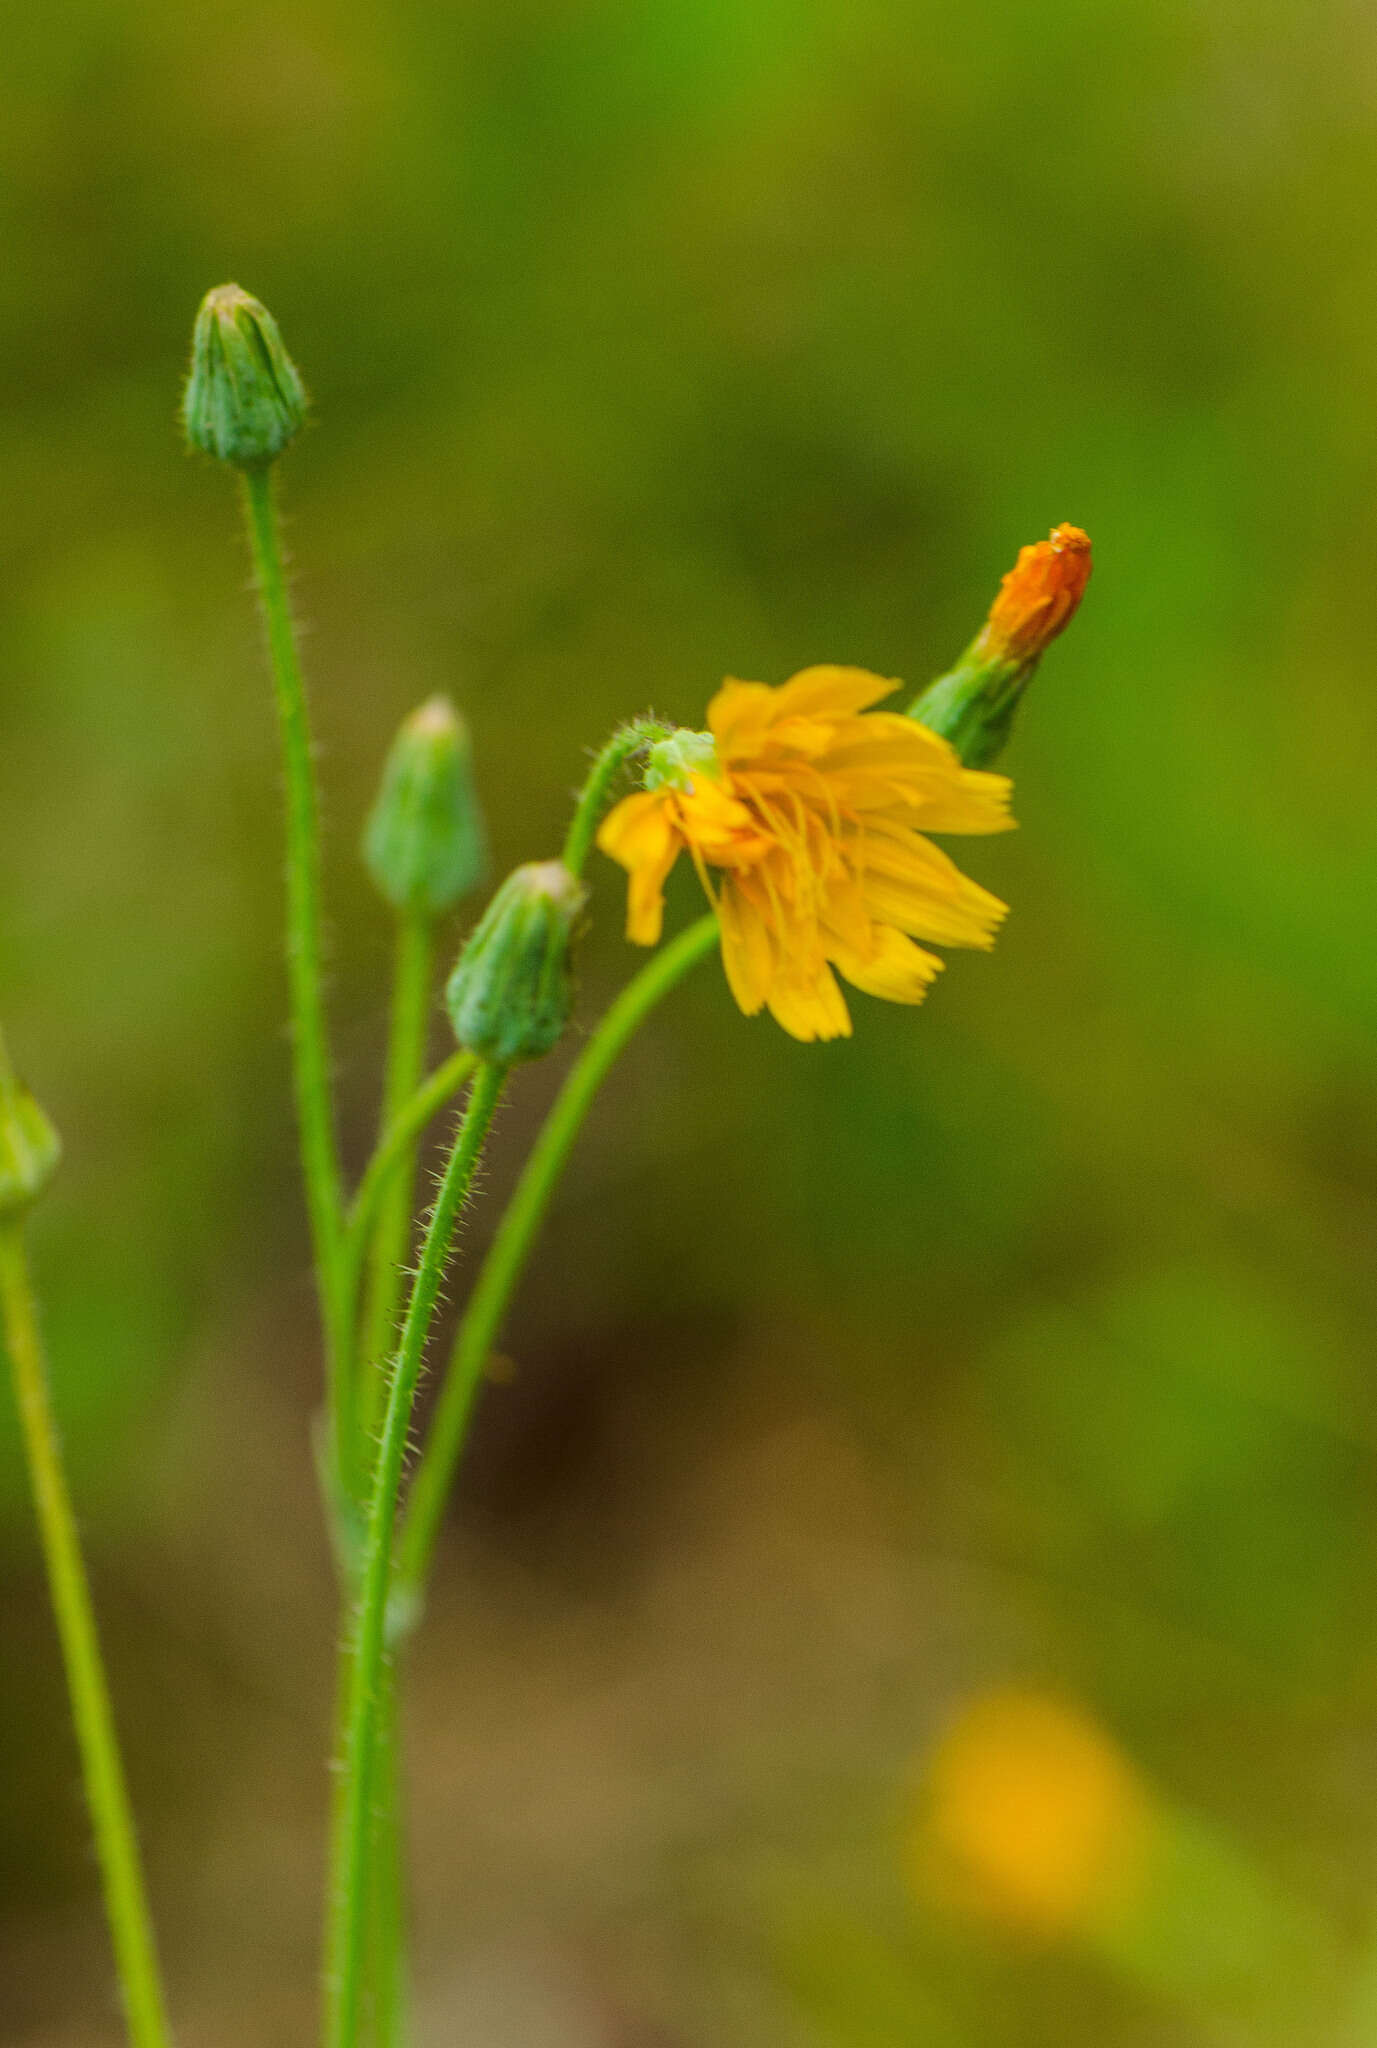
(1038, 597)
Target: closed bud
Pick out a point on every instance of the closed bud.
(512, 992)
(1039, 596)
(29, 1146)
(244, 400)
(424, 843)
(973, 705)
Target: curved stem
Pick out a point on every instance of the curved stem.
(391, 1240)
(310, 1048)
(106, 1793)
(626, 741)
(429, 1099)
(364, 1652)
(511, 1247)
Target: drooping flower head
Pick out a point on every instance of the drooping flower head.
(812, 808)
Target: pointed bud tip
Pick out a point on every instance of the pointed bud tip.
(551, 880)
(228, 298)
(244, 400)
(511, 994)
(435, 719)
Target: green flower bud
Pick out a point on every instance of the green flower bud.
(244, 400)
(29, 1146)
(511, 994)
(424, 844)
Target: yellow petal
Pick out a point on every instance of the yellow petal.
(889, 737)
(640, 833)
(712, 818)
(843, 912)
(738, 716)
(810, 1008)
(927, 909)
(903, 855)
(829, 692)
(894, 968)
(637, 827)
(748, 954)
(979, 803)
(645, 901)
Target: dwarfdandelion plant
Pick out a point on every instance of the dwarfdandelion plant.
(811, 812)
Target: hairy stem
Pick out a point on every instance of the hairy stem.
(627, 740)
(365, 1647)
(391, 1239)
(106, 1794)
(310, 1048)
(511, 1248)
(429, 1099)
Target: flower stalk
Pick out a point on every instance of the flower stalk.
(365, 1649)
(310, 1046)
(629, 740)
(107, 1796)
(406, 1049)
(396, 1142)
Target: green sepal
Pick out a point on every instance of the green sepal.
(29, 1146)
(973, 706)
(676, 760)
(511, 994)
(244, 400)
(424, 843)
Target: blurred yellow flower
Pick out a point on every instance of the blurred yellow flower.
(1032, 1817)
(812, 808)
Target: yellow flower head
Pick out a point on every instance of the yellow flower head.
(812, 808)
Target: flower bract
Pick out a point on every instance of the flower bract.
(808, 831)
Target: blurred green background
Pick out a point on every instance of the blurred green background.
(1022, 1341)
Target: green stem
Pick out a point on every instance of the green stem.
(310, 1049)
(106, 1793)
(511, 1248)
(365, 1649)
(429, 1099)
(387, 1930)
(628, 740)
(406, 1051)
